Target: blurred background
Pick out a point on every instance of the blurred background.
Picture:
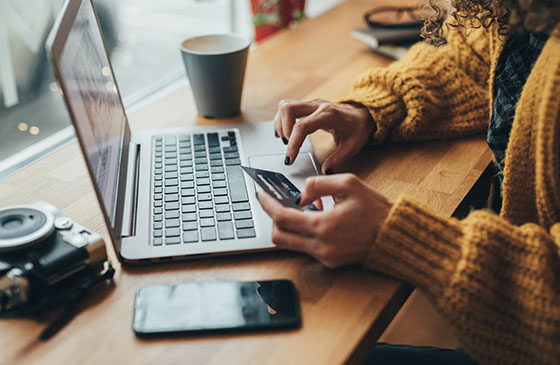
(143, 38)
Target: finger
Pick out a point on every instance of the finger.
(290, 241)
(335, 185)
(303, 128)
(288, 219)
(319, 204)
(344, 151)
(290, 110)
(277, 124)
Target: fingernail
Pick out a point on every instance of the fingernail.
(257, 194)
(298, 200)
(287, 160)
(329, 171)
(275, 134)
(285, 140)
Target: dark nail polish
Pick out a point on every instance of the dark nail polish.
(285, 140)
(329, 171)
(298, 200)
(275, 134)
(287, 160)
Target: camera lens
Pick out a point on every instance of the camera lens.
(21, 226)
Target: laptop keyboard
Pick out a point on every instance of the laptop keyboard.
(199, 191)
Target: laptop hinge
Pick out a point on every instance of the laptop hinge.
(131, 195)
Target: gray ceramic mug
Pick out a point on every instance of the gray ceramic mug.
(215, 66)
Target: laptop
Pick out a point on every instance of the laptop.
(168, 193)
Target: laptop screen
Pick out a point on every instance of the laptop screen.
(93, 98)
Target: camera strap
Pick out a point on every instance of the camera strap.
(76, 297)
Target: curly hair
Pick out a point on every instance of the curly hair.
(510, 16)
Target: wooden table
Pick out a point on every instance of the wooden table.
(344, 310)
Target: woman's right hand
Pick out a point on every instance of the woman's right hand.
(349, 124)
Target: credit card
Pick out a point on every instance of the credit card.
(278, 186)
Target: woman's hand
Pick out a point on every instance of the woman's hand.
(341, 236)
(349, 124)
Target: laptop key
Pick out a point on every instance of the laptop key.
(190, 226)
(246, 233)
(158, 210)
(203, 167)
(170, 140)
(171, 182)
(216, 163)
(188, 200)
(204, 197)
(187, 177)
(171, 214)
(204, 189)
(208, 234)
(219, 184)
(225, 230)
(185, 138)
(185, 161)
(170, 168)
(213, 139)
(157, 241)
(186, 170)
(206, 213)
(171, 198)
(230, 149)
(233, 162)
(158, 217)
(198, 148)
(189, 217)
(218, 177)
(158, 204)
(207, 222)
(187, 185)
(158, 190)
(158, 183)
(220, 192)
(171, 223)
(200, 161)
(221, 208)
(230, 155)
(200, 154)
(158, 177)
(158, 196)
(172, 190)
(171, 175)
(221, 200)
(242, 215)
(172, 240)
(189, 208)
(198, 139)
(172, 206)
(220, 217)
(187, 192)
(158, 233)
(190, 236)
(172, 232)
(203, 181)
(158, 225)
(244, 223)
(171, 161)
(201, 174)
(205, 205)
(215, 156)
(158, 171)
(236, 182)
(215, 149)
(240, 206)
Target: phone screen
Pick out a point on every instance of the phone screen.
(210, 306)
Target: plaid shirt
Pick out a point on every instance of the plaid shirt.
(515, 63)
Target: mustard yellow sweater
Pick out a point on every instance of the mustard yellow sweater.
(496, 279)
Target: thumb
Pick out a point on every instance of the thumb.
(335, 161)
(319, 186)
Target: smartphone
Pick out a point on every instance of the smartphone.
(215, 306)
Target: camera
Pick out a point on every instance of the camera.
(42, 253)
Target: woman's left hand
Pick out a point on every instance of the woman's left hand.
(341, 236)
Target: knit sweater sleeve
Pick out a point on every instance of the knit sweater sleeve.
(432, 93)
(497, 285)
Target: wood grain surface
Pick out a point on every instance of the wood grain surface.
(343, 310)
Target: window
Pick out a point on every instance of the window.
(143, 38)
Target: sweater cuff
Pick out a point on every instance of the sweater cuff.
(385, 109)
(418, 246)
